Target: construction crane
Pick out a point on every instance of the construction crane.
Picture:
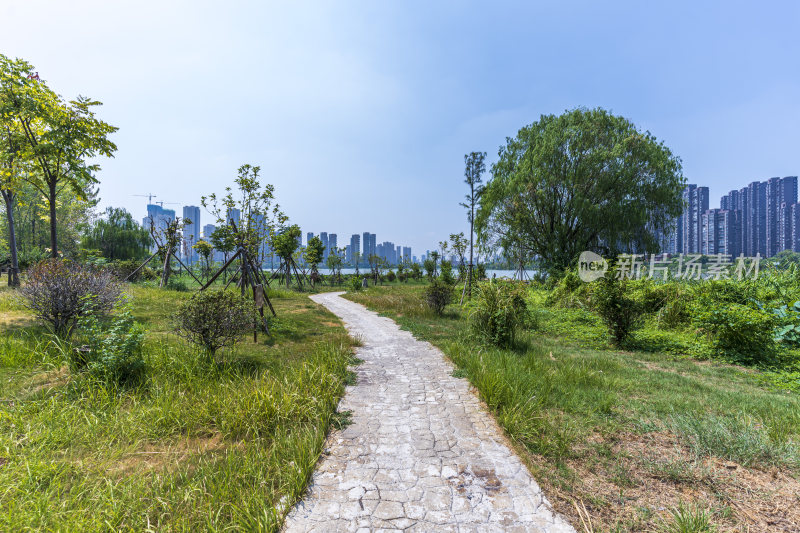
(168, 203)
(149, 197)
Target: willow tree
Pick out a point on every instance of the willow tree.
(117, 236)
(584, 180)
(61, 137)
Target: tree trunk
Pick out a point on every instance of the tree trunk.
(13, 271)
(53, 235)
(165, 273)
(469, 275)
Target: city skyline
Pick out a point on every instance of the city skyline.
(761, 218)
(364, 99)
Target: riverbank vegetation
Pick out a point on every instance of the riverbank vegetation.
(679, 423)
(198, 442)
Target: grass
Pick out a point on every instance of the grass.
(200, 446)
(625, 435)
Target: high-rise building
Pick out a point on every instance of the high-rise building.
(780, 194)
(355, 248)
(324, 238)
(407, 253)
(309, 236)
(332, 244)
(191, 231)
(695, 204)
(720, 233)
(158, 218)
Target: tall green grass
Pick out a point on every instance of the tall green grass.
(227, 445)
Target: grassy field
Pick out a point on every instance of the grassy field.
(626, 440)
(226, 445)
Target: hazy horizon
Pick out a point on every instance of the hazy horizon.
(360, 113)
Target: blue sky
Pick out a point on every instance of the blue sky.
(360, 113)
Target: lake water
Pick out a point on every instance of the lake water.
(499, 273)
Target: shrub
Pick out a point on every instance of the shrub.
(416, 271)
(113, 348)
(59, 292)
(619, 311)
(737, 332)
(479, 272)
(569, 291)
(214, 319)
(438, 294)
(177, 284)
(123, 269)
(355, 283)
(498, 311)
(390, 276)
(446, 274)
(430, 267)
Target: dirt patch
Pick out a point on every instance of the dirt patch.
(633, 482)
(15, 319)
(167, 456)
(50, 379)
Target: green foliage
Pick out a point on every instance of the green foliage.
(112, 349)
(498, 311)
(570, 291)
(356, 283)
(259, 213)
(688, 519)
(430, 267)
(117, 236)
(619, 311)
(479, 271)
(737, 332)
(446, 273)
(60, 291)
(60, 138)
(285, 243)
(314, 252)
(438, 294)
(214, 319)
(584, 180)
(390, 276)
(787, 330)
(416, 271)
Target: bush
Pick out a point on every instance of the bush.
(438, 294)
(113, 348)
(214, 319)
(177, 284)
(446, 274)
(619, 312)
(60, 291)
(355, 283)
(479, 272)
(498, 311)
(123, 269)
(737, 332)
(569, 291)
(390, 276)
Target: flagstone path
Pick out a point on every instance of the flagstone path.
(421, 454)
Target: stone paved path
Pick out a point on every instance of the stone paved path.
(421, 453)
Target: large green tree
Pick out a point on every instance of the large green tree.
(117, 236)
(584, 180)
(61, 137)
